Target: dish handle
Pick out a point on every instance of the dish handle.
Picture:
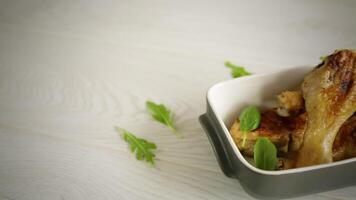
(219, 149)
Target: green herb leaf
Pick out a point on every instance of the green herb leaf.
(323, 58)
(161, 114)
(139, 146)
(250, 119)
(265, 154)
(237, 71)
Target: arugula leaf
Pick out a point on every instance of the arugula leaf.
(265, 154)
(139, 146)
(250, 119)
(237, 71)
(161, 114)
(323, 58)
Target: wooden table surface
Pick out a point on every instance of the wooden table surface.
(72, 70)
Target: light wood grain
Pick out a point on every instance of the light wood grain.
(72, 70)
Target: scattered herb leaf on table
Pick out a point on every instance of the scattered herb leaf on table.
(162, 114)
(237, 71)
(139, 146)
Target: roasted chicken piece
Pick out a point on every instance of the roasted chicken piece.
(297, 127)
(344, 146)
(290, 103)
(329, 92)
(285, 133)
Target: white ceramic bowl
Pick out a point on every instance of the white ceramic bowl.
(224, 103)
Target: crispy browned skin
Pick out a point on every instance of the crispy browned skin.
(277, 128)
(297, 127)
(344, 146)
(285, 133)
(290, 103)
(329, 92)
(271, 127)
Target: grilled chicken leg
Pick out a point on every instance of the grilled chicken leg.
(329, 92)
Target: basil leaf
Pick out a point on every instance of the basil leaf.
(250, 119)
(265, 154)
(236, 71)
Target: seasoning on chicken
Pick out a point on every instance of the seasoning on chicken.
(344, 146)
(285, 133)
(271, 127)
(290, 103)
(330, 99)
(297, 127)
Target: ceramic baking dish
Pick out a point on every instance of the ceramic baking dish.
(224, 103)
